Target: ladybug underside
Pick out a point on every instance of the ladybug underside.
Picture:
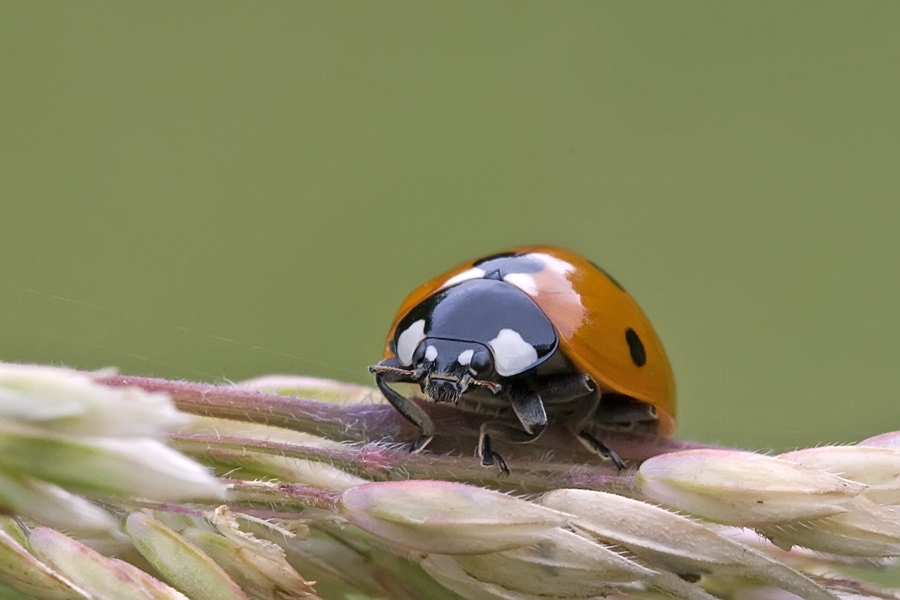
(485, 346)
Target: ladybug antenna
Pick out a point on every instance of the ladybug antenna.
(495, 388)
(413, 375)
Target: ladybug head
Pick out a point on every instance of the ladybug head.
(449, 368)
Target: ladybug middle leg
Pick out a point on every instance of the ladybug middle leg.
(529, 409)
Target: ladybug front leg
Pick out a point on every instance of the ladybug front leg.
(411, 411)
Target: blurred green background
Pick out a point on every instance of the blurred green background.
(219, 190)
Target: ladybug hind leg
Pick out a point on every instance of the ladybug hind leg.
(578, 420)
(598, 447)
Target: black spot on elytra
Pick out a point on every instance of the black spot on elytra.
(636, 347)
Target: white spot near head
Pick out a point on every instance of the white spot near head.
(523, 281)
(408, 341)
(465, 357)
(473, 273)
(430, 353)
(512, 354)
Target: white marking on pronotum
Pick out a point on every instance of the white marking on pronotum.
(512, 354)
(523, 281)
(408, 341)
(430, 353)
(465, 357)
(473, 273)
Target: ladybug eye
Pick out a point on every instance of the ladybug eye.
(481, 364)
(419, 355)
(425, 353)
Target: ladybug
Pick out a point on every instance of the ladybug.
(529, 335)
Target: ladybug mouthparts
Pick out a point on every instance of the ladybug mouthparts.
(445, 388)
(417, 376)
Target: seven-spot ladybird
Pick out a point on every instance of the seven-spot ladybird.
(532, 334)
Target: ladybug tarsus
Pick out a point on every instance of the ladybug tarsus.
(598, 447)
(419, 445)
(488, 456)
